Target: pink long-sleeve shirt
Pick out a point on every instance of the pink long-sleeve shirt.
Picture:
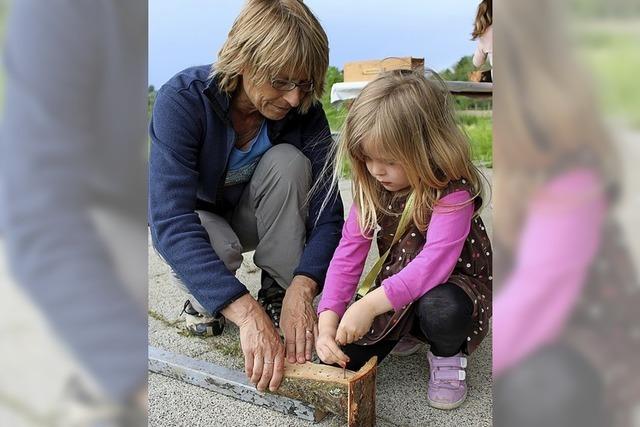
(446, 233)
(558, 243)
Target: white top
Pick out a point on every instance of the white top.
(484, 48)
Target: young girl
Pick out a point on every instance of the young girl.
(483, 32)
(410, 162)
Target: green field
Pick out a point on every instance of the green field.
(480, 133)
(479, 129)
(610, 52)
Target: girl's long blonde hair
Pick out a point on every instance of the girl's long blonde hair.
(484, 18)
(408, 118)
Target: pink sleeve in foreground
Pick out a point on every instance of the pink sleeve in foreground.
(559, 240)
(346, 267)
(446, 233)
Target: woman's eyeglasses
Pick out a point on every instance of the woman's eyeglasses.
(288, 85)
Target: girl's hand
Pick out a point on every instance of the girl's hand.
(329, 352)
(356, 322)
(326, 347)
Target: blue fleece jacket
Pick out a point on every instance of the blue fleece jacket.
(190, 148)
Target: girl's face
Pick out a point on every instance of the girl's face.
(388, 172)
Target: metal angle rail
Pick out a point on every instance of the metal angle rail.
(224, 381)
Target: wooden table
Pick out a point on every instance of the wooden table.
(341, 92)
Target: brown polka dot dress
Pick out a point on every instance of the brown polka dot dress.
(472, 273)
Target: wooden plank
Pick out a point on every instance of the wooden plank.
(361, 409)
(314, 371)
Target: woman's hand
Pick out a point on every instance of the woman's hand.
(326, 346)
(298, 319)
(355, 323)
(260, 342)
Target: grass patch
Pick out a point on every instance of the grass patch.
(613, 58)
(336, 117)
(229, 347)
(159, 317)
(480, 133)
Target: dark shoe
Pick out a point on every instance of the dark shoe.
(270, 297)
(407, 346)
(200, 324)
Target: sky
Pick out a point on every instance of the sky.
(183, 33)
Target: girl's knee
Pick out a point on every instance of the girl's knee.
(445, 302)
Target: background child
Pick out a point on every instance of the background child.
(406, 152)
(483, 32)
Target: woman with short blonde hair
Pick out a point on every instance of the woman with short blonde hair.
(235, 148)
(270, 38)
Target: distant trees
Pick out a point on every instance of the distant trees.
(151, 99)
(335, 116)
(460, 72)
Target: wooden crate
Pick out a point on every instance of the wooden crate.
(359, 71)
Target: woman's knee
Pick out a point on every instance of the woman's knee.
(288, 162)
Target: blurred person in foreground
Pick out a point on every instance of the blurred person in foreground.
(73, 167)
(235, 149)
(566, 338)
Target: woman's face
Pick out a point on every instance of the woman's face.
(272, 103)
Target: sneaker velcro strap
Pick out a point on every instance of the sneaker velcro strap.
(463, 362)
(449, 374)
(451, 362)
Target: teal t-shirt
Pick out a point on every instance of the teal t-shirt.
(242, 163)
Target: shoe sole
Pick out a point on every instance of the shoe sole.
(447, 406)
(208, 333)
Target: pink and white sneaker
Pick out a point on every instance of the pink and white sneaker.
(447, 381)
